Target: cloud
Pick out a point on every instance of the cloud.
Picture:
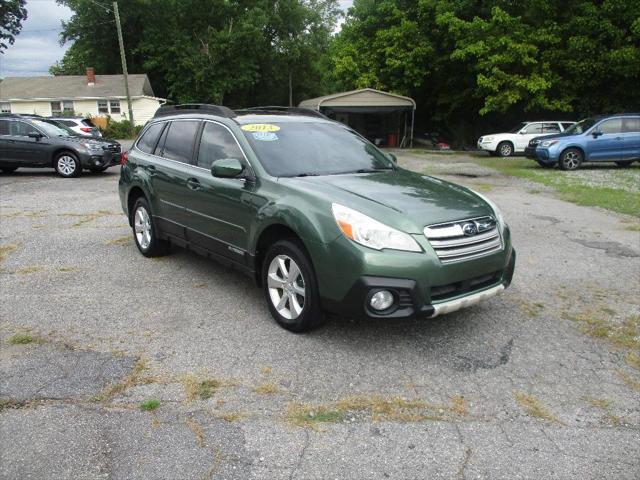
(37, 46)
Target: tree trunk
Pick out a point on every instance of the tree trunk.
(290, 87)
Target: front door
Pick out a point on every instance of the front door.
(220, 209)
(605, 141)
(27, 151)
(532, 130)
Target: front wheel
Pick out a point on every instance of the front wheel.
(505, 149)
(144, 231)
(67, 165)
(290, 287)
(624, 163)
(570, 159)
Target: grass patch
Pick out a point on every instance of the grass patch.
(120, 241)
(309, 416)
(201, 389)
(625, 334)
(633, 228)
(629, 381)
(30, 269)
(231, 416)
(23, 339)
(149, 405)
(89, 217)
(573, 186)
(5, 250)
(633, 360)
(601, 403)
(197, 431)
(135, 377)
(267, 388)
(67, 269)
(532, 310)
(534, 408)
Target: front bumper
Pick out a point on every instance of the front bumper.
(98, 159)
(424, 288)
(530, 152)
(487, 146)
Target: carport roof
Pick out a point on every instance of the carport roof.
(366, 97)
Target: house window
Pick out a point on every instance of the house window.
(59, 107)
(5, 107)
(111, 107)
(103, 106)
(114, 106)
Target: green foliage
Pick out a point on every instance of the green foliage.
(120, 130)
(12, 14)
(149, 405)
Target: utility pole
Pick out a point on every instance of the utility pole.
(124, 66)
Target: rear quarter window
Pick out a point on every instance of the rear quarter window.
(4, 127)
(180, 140)
(629, 125)
(149, 139)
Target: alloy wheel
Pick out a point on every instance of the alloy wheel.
(66, 165)
(505, 150)
(142, 226)
(286, 285)
(571, 160)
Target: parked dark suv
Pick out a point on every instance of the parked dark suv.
(320, 217)
(32, 141)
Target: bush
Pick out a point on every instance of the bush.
(120, 129)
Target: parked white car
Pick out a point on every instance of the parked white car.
(80, 125)
(516, 140)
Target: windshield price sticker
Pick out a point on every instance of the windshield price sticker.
(260, 127)
(265, 136)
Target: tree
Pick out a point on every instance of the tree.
(12, 14)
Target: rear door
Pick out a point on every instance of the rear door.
(7, 152)
(169, 173)
(631, 138)
(605, 142)
(220, 209)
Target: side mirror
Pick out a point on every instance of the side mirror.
(523, 132)
(393, 158)
(596, 133)
(227, 168)
(35, 135)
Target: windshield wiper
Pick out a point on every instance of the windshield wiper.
(306, 175)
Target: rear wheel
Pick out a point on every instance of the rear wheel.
(505, 149)
(290, 287)
(67, 165)
(144, 231)
(624, 163)
(8, 169)
(570, 159)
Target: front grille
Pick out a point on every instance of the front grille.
(404, 299)
(443, 292)
(464, 239)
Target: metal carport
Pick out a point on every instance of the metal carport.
(380, 116)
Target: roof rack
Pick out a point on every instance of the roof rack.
(202, 108)
(280, 109)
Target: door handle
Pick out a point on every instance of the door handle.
(193, 184)
(151, 168)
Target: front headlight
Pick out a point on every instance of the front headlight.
(369, 232)
(92, 146)
(548, 143)
(487, 139)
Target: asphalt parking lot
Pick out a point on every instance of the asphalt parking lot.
(540, 382)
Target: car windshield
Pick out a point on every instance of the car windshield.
(291, 149)
(63, 127)
(52, 130)
(518, 127)
(580, 127)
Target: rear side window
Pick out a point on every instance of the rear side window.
(180, 140)
(216, 143)
(550, 128)
(611, 126)
(68, 123)
(566, 125)
(87, 122)
(4, 127)
(628, 125)
(149, 140)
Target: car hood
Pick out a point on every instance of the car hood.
(403, 199)
(79, 139)
(555, 135)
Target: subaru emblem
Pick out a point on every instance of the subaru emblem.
(469, 229)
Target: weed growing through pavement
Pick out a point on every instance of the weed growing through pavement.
(149, 405)
(24, 339)
(266, 388)
(120, 241)
(534, 408)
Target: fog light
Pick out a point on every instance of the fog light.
(381, 300)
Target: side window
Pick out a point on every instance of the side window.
(4, 127)
(550, 128)
(611, 126)
(216, 143)
(566, 125)
(21, 128)
(631, 125)
(180, 139)
(533, 128)
(148, 141)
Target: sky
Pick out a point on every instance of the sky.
(37, 46)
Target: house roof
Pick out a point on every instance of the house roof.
(73, 86)
(366, 97)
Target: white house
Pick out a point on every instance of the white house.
(90, 95)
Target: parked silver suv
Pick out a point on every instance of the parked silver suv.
(80, 125)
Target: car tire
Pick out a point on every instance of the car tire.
(544, 165)
(67, 165)
(505, 149)
(290, 287)
(8, 169)
(145, 232)
(571, 159)
(624, 163)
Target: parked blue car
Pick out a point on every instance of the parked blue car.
(607, 138)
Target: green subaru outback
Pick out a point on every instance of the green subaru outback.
(317, 215)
